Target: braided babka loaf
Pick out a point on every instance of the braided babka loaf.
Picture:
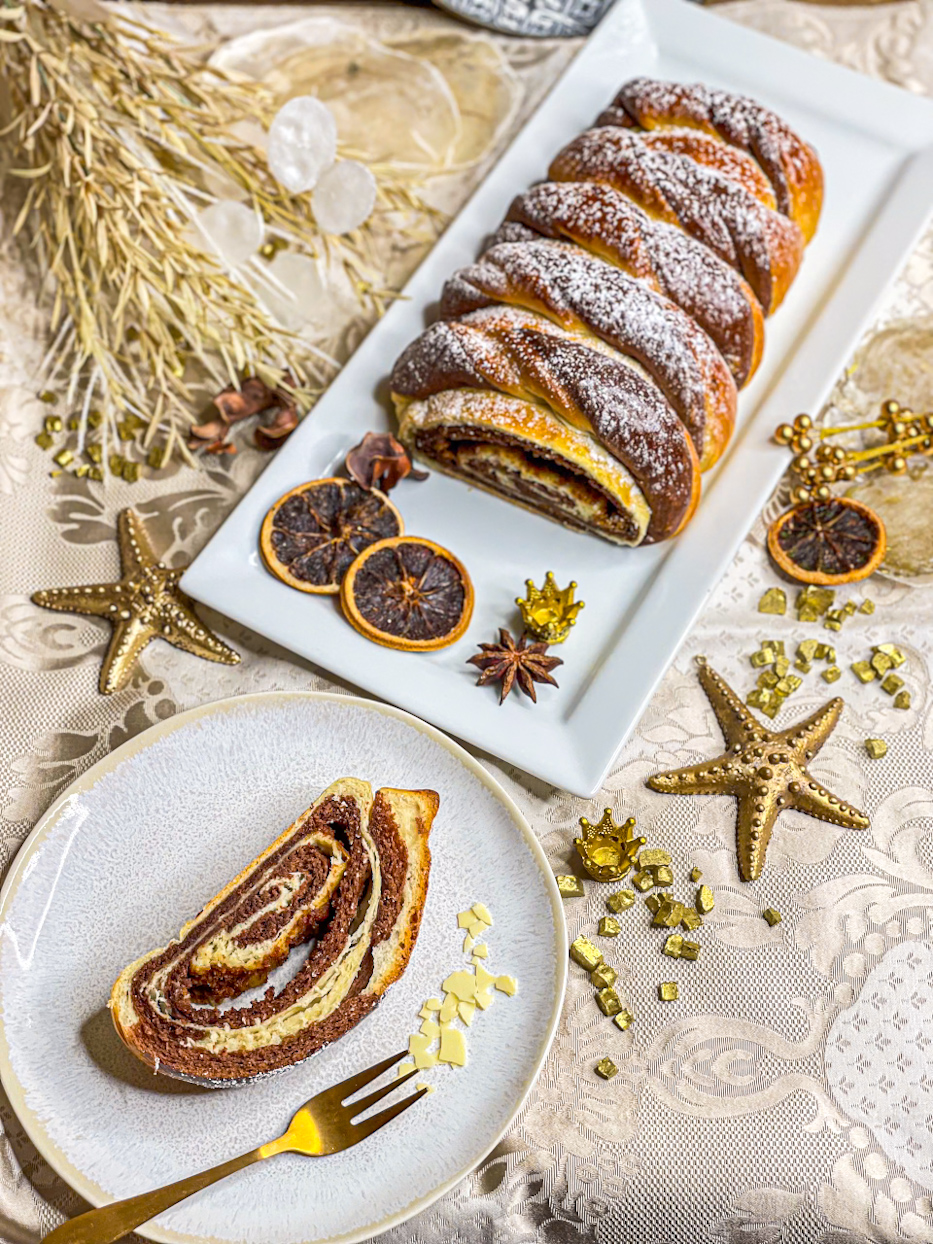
(350, 873)
(586, 365)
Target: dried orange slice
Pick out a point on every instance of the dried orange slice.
(408, 593)
(828, 542)
(313, 533)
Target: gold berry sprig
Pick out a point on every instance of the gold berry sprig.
(818, 465)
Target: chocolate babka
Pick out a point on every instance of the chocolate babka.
(586, 365)
(350, 875)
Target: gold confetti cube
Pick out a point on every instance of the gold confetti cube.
(691, 920)
(881, 663)
(892, 684)
(705, 900)
(643, 880)
(673, 946)
(892, 651)
(64, 457)
(668, 991)
(831, 673)
(817, 599)
(52, 423)
(95, 451)
(773, 601)
(96, 473)
(830, 654)
(623, 1020)
(849, 608)
(130, 472)
(606, 1069)
(863, 671)
(690, 950)
(833, 622)
(781, 666)
(804, 666)
(876, 748)
(772, 710)
(663, 875)
(583, 951)
(867, 606)
(622, 900)
(695, 874)
(902, 700)
(608, 1001)
(760, 698)
(44, 441)
(807, 649)
(777, 645)
(761, 658)
(669, 914)
(603, 977)
(609, 927)
(808, 614)
(653, 902)
(570, 887)
(654, 857)
(772, 915)
(768, 680)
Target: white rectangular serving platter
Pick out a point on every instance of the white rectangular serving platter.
(876, 144)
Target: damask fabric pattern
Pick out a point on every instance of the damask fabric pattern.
(786, 1097)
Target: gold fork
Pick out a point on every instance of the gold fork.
(322, 1125)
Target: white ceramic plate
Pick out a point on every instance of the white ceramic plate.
(138, 844)
(876, 143)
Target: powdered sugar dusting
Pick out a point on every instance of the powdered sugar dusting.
(586, 383)
(788, 161)
(603, 220)
(577, 291)
(764, 246)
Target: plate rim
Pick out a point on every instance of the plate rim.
(33, 1127)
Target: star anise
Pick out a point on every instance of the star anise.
(510, 662)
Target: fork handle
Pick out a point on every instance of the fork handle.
(102, 1226)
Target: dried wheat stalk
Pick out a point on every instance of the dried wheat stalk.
(119, 135)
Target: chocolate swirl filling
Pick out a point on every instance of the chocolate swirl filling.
(351, 874)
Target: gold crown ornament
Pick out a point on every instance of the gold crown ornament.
(606, 849)
(549, 611)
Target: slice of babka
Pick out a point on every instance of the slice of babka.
(351, 873)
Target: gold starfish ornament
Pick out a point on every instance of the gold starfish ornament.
(144, 605)
(765, 770)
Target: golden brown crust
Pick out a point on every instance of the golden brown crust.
(791, 165)
(609, 225)
(584, 382)
(585, 295)
(763, 245)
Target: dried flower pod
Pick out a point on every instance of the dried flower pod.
(380, 461)
(271, 435)
(251, 398)
(200, 434)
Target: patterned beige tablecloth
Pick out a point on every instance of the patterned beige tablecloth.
(788, 1096)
